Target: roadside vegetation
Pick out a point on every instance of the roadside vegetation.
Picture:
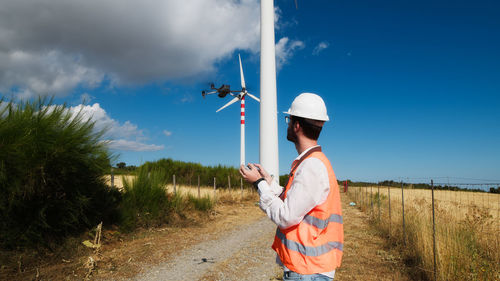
(187, 173)
(52, 185)
(145, 201)
(51, 167)
(466, 230)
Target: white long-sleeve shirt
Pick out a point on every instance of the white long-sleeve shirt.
(310, 187)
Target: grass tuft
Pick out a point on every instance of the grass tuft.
(204, 203)
(145, 201)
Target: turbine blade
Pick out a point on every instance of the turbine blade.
(253, 97)
(241, 73)
(229, 103)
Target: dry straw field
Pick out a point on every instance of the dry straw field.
(234, 194)
(466, 229)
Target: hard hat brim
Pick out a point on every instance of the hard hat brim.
(298, 115)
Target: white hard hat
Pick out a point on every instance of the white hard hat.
(310, 106)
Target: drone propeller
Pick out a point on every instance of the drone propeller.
(235, 99)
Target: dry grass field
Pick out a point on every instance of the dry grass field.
(235, 194)
(466, 229)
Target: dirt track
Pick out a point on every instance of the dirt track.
(245, 254)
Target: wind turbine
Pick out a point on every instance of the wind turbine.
(241, 98)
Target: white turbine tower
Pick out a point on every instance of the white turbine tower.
(268, 139)
(241, 98)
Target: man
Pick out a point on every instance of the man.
(310, 235)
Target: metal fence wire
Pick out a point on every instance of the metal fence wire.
(453, 234)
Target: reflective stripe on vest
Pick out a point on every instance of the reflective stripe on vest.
(307, 250)
(321, 224)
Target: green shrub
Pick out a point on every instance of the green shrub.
(52, 164)
(187, 173)
(204, 203)
(145, 200)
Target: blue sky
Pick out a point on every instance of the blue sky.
(412, 87)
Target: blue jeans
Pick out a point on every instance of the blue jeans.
(290, 275)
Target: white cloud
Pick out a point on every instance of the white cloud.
(167, 133)
(187, 98)
(321, 46)
(285, 50)
(43, 72)
(103, 121)
(52, 46)
(125, 136)
(133, 146)
(86, 98)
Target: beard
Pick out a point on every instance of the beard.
(291, 135)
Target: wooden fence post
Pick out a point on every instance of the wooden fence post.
(433, 232)
(175, 188)
(215, 194)
(362, 196)
(403, 206)
(378, 201)
(390, 220)
(198, 186)
(371, 199)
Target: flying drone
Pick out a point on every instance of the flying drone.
(225, 90)
(222, 91)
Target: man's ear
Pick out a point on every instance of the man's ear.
(296, 127)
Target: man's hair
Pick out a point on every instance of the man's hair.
(310, 130)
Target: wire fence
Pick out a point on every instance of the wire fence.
(193, 187)
(445, 234)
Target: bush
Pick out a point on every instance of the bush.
(204, 203)
(52, 164)
(145, 200)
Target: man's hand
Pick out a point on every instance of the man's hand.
(250, 174)
(264, 174)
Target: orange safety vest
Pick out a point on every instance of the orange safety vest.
(315, 244)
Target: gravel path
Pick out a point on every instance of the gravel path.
(244, 253)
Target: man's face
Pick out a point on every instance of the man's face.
(290, 132)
